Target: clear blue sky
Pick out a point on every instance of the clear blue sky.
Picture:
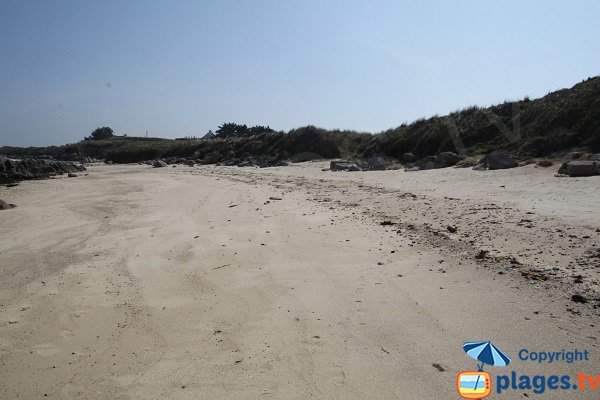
(180, 68)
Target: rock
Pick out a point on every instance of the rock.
(71, 175)
(212, 158)
(190, 163)
(482, 254)
(595, 157)
(577, 298)
(411, 168)
(580, 168)
(376, 164)
(426, 163)
(5, 206)
(498, 160)
(429, 165)
(448, 158)
(408, 158)
(572, 155)
(34, 168)
(451, 229)
(159, 164)
(343, 166)
(534, 275)
(479, 167)
(362, 165)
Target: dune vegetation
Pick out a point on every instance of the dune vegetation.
(560, 121)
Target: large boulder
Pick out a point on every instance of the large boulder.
(426, 163)
(376, 163)
(343, 166)
(498, 160)
(448, 158)
(159, 164)
(580, 168)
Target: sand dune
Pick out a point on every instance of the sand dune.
(198, 283)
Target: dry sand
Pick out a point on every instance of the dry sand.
(190, 283)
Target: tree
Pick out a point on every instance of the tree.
(258, 129)
(101, 133)
(231, 129)
(228, 129)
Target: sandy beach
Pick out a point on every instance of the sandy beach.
(210, 282)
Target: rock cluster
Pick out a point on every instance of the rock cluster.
(227, 159)
(376, 163)
(443, 160)
(33, 168)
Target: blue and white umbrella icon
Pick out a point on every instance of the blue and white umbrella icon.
(487, 353)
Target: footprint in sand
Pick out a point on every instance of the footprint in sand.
(67, 334)
(46, 349)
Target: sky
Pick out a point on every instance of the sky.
(179, 68)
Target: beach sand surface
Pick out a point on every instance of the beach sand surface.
(211, 282)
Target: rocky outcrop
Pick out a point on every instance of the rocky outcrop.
(227, 159)
(159, 164)
(32, 168)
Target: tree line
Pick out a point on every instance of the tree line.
(226, 130)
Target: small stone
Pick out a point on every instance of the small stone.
(577, 298)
